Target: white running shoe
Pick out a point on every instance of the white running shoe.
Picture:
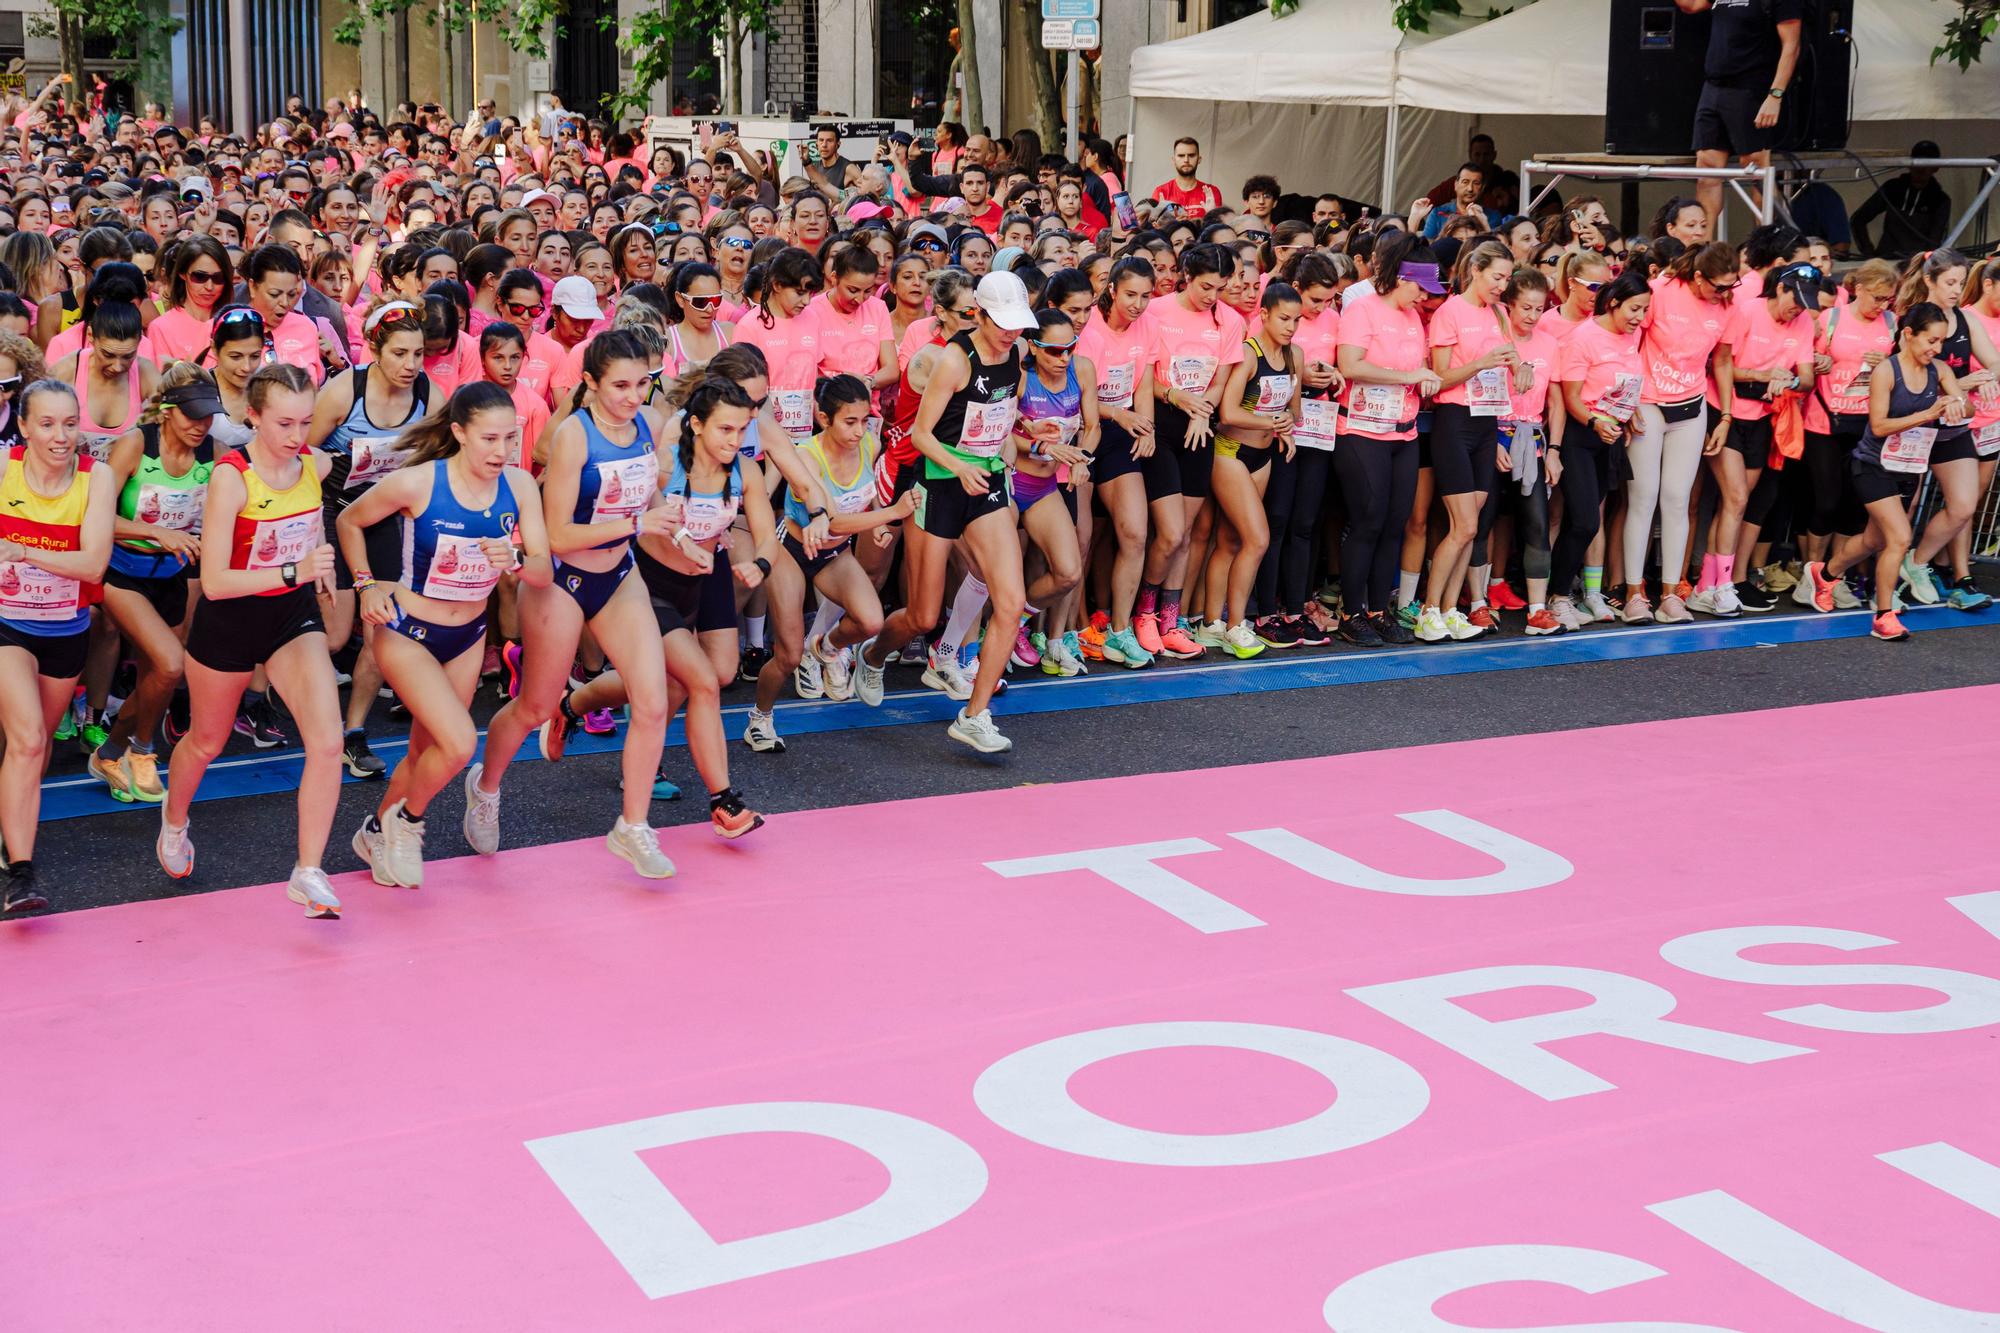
(1728, 603)
(1564, 610)
(978, 732)
(760, 733)
(639, 845)
(1845, 600)
(1062, 652)
(945, 675)
(482, 814)
(1211, 634)
(836, 669)
(867, 679)
(308, 887)
(367, 844)
(400, 855)
(806, 679)
(1600, 610)
(1431, 627)
(1703, 602)
(174, 848)
(1460, 627)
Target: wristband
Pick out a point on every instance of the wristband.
(812, 514)
(763, 566)
(363, 579)
(289, 572)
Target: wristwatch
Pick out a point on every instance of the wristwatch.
(290, 573)
(1777, 94)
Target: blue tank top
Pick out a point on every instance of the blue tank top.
(441, 553)
(707, 515)
(1903, 402)
(1041, 403)
(855, 495)
(363, 451)
(618, 479)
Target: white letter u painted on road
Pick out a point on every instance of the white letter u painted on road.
(1523, 865)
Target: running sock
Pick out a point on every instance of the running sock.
(1725, 570)
(403, 813)
(1593, 579)
(251, 699)
(825, 619)
(137, 747)
(107, 751)
(374, 824)
(570, 714)
(965, 610)
(1707, 573)
(1170, 608)
(1149, 600)
(1406, 586)
(756, 624)
(1535, 607)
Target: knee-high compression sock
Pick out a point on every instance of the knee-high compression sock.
(965, 609)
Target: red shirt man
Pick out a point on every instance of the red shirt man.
(1184, 191)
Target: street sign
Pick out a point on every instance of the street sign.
(1079, 34)
(1070, 9)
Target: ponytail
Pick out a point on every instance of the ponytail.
(432, 438)
(1924, 269)
(711, 393)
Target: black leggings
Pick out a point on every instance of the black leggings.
(1834, 508)
(1378, 478)
(1531, 529)
(1293, 504)
(1586, 465)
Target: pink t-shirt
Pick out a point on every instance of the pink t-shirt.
(1472, 331)
(914, 339)
(1607, 364)
(543, 359)
(459, 365)
(1558, 325)
(71, 340)
(1118, 358)
(178, 336)
(1393, 339)
(295, 342)
(534, 415)
(850, 343)
(1758, 342)
(791, 347)
(568, 373)
(1318, 338)
(1847, 342)
(1680, 332)
(1189, 349)
(1985, 420)
(1541, 353)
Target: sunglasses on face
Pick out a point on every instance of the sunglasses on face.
(704, 302)
(737, 243)
(1724, 288)
(526, 311)
(1548, 263)
(10, 384)
(1055, 349)
(1592, 287)
(935, 247)
(207, 277)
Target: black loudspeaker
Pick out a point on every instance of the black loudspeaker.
(1653, 77)
(1816, 105)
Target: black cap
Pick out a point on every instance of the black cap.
(196, 398)
(903, 137)
(1802, 280)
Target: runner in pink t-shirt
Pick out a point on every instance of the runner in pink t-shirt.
(1854, 339)
(788, 335)
(1524, 438)
(1599, 370)
(853, 326)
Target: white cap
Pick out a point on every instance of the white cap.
(196, 183)
(536, 197)
(1004, 298)
(575, 297)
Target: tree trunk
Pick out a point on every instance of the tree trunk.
(968, 67)
(69, 52)
(732, 92)
(1042, 77)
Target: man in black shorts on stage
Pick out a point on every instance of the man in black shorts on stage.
(1752, 50)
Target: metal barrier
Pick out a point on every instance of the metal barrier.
(1985, 523)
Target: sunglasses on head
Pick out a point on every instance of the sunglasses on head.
(242, 314)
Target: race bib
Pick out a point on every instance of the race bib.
(625, 487)
(285, 541)
(795, 413)
(1274, 393)
(460, 571)
(175, 507)
(99, 446)
(1909, 450)
(371, 458)
(1987, 439)
(1489, 394)
(986, 427)
(706, 518)
(28, 593)
(1378, 408)
(1194, 373)
(1319, 421)
(1621, 400)
(1115, 388)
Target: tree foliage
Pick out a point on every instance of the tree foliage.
(1965, 36)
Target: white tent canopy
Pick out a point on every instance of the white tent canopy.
(1333, 96)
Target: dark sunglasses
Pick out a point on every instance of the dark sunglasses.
(737, 242)
(1724, 288)
(242, 314)
(10, 384)
(1059, 349)
(928, 243)
(1592, 287)
(534, 311)
(207, 277)
(704, 302)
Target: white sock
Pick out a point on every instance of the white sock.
(1406, 586)
(825, 619)
(1482, 578)
(756, 624)
(1536, 606)
(965, 609)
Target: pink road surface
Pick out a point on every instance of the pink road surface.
(219, 1115)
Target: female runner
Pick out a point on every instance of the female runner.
(197, 290)
(472, 516)
(1854, 339)
(1260, 406)
(695, 333)
(598, 489)
(162, 470)
(1601, 373)
(263, 554)
(1529, 468)
(1055, 434)
(1906, 410)
(1117, 341)
(1296, 495)
(844, 454)
(56, 513)
(358, 424)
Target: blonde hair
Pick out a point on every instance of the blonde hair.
(26, 356)
(1873, 273)
(178, 375)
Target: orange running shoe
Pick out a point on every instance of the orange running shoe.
(1146, 628)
